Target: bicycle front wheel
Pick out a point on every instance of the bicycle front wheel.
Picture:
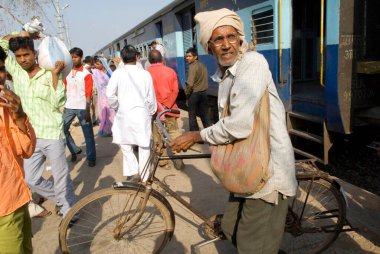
(315, 216)
(100, 216)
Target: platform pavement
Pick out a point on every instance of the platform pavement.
(196, 184)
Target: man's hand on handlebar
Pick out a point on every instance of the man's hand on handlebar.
(185, 141)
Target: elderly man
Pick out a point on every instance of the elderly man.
(255, 223)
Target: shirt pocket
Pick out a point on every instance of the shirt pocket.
(43, 91)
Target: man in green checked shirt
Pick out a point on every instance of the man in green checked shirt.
(42, 94)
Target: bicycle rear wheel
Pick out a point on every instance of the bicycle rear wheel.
(315, 216)
(99, 215)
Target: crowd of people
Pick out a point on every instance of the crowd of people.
(122, 98)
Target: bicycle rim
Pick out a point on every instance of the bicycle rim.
(314, 226)
(99, 215)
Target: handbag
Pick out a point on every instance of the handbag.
(243, 165)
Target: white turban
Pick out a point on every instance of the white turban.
(209, 20)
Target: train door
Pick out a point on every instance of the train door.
(306, 120)
(307, 90)
(188, 33)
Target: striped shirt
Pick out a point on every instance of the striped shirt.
(245, 83)
(39, 99)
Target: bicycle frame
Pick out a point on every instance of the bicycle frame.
(307, 170)
(140, 194)
(146, 187)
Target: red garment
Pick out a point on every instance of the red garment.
(89, 83)
(15, 146)
(165, 84)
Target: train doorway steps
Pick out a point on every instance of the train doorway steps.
(309, 136)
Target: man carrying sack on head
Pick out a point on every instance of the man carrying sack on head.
(251, 134)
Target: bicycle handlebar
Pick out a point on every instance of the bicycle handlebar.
(169, 110)
(167, 138)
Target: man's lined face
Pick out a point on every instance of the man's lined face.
(225, 45)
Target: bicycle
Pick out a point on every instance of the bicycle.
(137, 218)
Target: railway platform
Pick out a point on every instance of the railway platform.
(198, 185)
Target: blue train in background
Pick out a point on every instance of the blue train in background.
(324, 56)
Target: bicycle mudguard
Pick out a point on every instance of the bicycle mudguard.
(128, 185)
(141, 188)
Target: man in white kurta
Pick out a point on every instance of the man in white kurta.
(130, 92)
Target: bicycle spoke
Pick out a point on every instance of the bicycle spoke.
(94, 232)
(317, 212)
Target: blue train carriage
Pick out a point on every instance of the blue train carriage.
(322, 54)
(324, 59)
(334, 71)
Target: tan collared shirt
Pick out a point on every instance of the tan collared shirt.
(245, 83)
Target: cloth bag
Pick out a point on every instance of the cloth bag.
(51, 50)
(242, 166)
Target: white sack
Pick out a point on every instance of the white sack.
(35, 26)
(52, 50)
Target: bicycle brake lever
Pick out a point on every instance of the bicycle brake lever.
(167, 138)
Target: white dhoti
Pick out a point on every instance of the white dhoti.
(132, 166)
(130, 92)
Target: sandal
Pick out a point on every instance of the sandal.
(43, 214)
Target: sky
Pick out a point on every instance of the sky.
(92, 23)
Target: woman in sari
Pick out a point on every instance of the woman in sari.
(101, 74)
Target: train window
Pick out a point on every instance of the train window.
(118, 46)
(159, 29)
(125, 42)
(264, 26)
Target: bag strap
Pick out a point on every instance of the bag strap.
(226, 110)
